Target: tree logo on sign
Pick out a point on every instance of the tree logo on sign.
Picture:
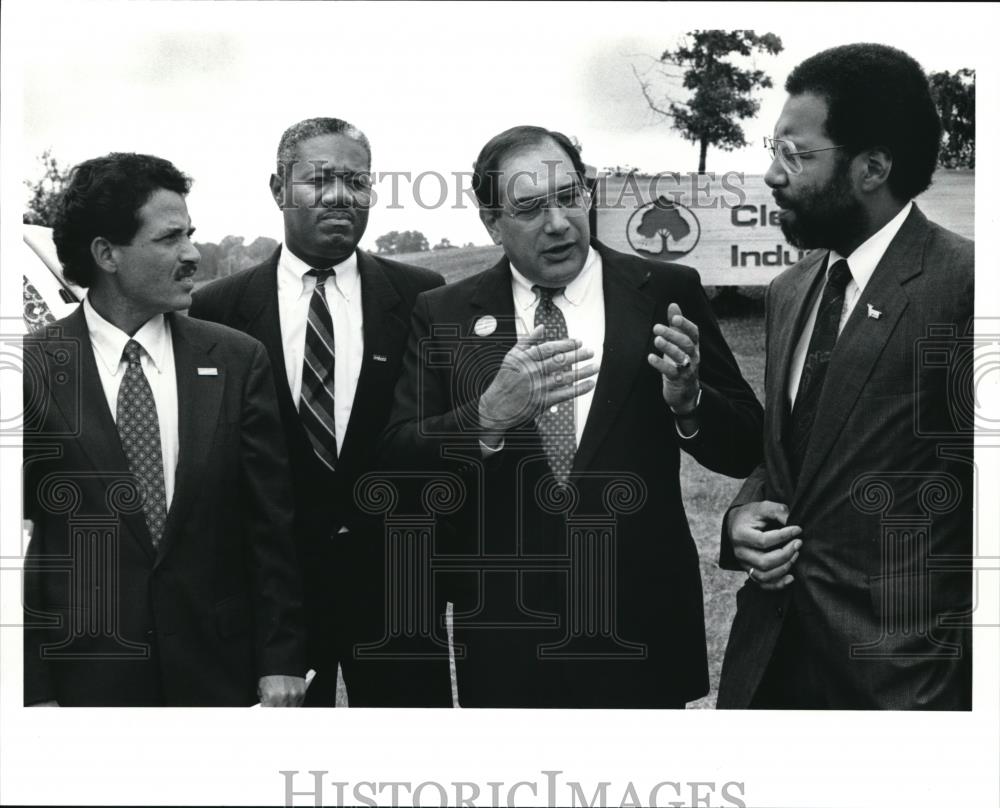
(663, 229)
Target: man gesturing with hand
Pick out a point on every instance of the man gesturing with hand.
(558, 387)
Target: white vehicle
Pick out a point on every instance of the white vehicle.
(48, 296)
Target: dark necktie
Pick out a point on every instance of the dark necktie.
(821, 343)
(316, 401)
(556, 424)
(139, 430)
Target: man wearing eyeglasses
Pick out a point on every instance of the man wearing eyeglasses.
(856, 532)
(334, 321)
(558, 388)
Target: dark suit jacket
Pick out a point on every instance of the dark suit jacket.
(884, 496)
(634, 570)
(110, 621)
(324, 501)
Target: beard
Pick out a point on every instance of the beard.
(828, 216)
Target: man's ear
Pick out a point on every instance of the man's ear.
(875, 165)
(489, 219)
(277, 185)
(104, 255)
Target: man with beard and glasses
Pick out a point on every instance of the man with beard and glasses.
(335, 320)
(856, 532)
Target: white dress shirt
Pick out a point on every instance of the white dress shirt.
(862, 263)
(157, 360)
(343, 296)
(582, 305)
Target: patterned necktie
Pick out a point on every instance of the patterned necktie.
(317, 397)
(557, 424)
(821, 343)
(139, 430)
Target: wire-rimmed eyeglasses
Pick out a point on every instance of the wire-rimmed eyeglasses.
(786, 154)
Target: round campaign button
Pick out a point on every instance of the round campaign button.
(485, 326)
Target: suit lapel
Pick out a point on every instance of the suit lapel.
(492, 297)
(863, 339)
(384, 331)
(199, 398)
(628, 323)
(84, 406)
(790, 318)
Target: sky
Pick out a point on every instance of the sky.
(211, 86)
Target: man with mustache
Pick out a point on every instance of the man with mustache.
(161, 569)
(856, 533)
(556, 391)
(334, 320)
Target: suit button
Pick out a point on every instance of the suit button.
(149, 632)
(780, 610)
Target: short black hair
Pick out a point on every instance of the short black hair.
(486, 171)
(102, 199)
(877, 95)
(314, 127)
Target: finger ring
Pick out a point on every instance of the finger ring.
(558, 379)
(687, 362)
(750, 574)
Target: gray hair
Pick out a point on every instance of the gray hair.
(313, 127)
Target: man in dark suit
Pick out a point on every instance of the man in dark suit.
(554, 392)
(161, 568)
(337, 348)
(856, 533)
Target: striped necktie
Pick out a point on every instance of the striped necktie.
(316, 402)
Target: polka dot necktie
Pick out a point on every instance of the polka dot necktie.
(556, 424)
(139, 430)
(316, 401)
(821, 344)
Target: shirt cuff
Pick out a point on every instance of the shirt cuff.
(490, 451)
(686, 437)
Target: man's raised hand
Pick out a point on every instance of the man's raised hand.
(534, 375)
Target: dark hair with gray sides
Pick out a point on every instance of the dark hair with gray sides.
(486, 171)
(314, 127)
(103, 199)
(876, 96)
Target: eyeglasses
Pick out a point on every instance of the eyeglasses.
(573, 199)
(787, 156)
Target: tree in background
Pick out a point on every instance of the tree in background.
(444, 244)
(721, 92)
(45, 190)
(394, 242)
(955, 96)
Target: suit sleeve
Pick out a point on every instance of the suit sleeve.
(423, 421)
(267, 524)
(37, 685)
(730, 435)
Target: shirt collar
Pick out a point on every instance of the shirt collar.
(575, 292)
(865, 258)
(109, 340)
(292, 274)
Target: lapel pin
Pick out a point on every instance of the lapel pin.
(380, 357)
(208, 371)
(485, 326)
(873, 312)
